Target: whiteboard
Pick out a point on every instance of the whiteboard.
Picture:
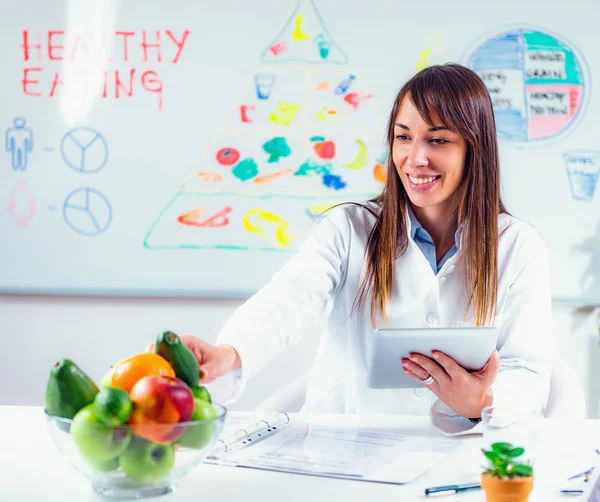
(187, 148)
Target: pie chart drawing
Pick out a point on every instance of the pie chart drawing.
(538, 82)
(87, 211)
(84, 150)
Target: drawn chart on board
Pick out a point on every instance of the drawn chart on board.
(536, 81)
(298, 141)
(539, 84)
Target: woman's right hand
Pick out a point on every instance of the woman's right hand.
(214, 361)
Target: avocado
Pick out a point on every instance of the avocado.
(181, 358)
(68, 389)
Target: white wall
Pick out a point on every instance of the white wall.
(577, 340)
(95, 333)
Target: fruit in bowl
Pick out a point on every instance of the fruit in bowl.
(113, 406)
(146, 461)
(142, 430)
(94, 440)
(127, 372)
(68, 390)
(198, 435)
(144, 468)
(160, 400)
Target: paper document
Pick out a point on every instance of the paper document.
(358, 453)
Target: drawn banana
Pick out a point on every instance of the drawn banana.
(423, 61)
(361, 159)
(279, 233)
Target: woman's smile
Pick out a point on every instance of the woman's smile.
(422, 182)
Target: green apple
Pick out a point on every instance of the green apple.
(95, 440)
(103, 465)
(201, 393)
(147, 462)
(200, 434)
(107, 378)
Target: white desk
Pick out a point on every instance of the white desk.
(32, 469)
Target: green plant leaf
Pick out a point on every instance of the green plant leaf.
(501, 458)
(502, 447)
(522, 470)
(516, 452)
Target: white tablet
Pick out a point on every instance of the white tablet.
(470, 347)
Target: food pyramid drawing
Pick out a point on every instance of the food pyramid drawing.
(305, 134)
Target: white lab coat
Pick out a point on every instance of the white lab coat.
(316, 289)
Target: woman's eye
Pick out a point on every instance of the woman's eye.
(402, 137)
(439, 141)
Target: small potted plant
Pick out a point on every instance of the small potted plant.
(505, 479)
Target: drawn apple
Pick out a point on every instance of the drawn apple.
(325, 149)
(147, 462)
(96, 441)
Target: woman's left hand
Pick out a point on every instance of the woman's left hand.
(462, 391)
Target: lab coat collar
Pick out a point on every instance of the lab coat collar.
(413, 225)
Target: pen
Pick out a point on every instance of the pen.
(451, 488)
(571, 492)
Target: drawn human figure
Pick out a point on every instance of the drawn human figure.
(19, 142)
(21, 204)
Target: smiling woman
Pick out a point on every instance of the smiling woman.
(427, 154)
(430, 162)
(442, 137)
(435, 249)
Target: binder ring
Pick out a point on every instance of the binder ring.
(286, 416)
(268, 426)
(243, 430)
(224, 445)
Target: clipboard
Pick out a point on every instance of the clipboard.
(298, 446)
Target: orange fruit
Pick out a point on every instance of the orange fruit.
(127, 372)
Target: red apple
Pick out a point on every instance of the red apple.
(159, 403)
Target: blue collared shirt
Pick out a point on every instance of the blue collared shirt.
(425, 243)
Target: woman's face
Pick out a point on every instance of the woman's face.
(430, 159)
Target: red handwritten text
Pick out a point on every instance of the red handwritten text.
(105, 60)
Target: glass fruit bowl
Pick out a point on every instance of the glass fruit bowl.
(135, 461)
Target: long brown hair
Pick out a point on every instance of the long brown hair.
(460, 99)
